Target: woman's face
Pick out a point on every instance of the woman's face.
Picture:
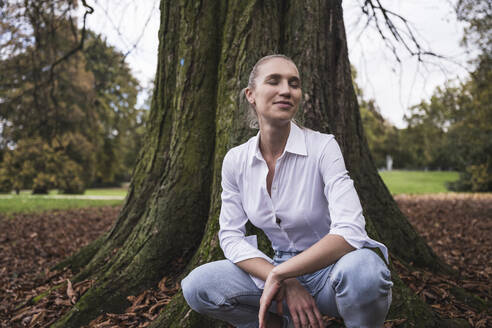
(277, 92)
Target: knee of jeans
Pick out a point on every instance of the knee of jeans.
(363, 271)
(197, 292)
(193, 293)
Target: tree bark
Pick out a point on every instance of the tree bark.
(207, 49)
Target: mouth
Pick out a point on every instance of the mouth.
(285, 103)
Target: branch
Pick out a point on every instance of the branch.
(375, 12)
(80, 46)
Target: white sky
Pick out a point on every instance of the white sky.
(395, 87)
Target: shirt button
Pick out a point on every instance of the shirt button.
(278, 220)
(274, 188)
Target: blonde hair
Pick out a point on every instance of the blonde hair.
(252, 116)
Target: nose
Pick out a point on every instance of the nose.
(284, 88)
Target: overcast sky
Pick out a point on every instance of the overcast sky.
(395, 87)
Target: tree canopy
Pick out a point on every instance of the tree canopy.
(82, 108)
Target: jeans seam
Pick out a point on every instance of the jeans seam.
(228, 298)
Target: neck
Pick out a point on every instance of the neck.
(273, 140)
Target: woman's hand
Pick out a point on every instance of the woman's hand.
(273, 290)
(301, 304)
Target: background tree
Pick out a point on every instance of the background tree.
(472, 131)
(115, 102)
(170, 215)
(381, 135)
(452, 130)
(84, 107)
(40, 99)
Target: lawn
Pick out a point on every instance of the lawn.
(417, 182)
(27, 203)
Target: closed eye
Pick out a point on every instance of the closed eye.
(293, 84)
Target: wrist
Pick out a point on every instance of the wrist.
(277, 274)
(291, 282)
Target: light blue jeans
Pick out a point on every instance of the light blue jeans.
(356, 288)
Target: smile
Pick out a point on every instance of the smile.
(283, 104)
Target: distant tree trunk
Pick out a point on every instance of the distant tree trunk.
(206, 51)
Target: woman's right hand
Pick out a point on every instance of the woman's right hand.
(301, 304)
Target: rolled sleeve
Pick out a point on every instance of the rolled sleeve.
(344, 205)
(235, 245)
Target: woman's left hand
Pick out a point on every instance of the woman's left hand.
(273, 290)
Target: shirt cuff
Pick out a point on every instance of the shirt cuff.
(347, 234)
(359, 241)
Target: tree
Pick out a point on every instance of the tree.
(171, 212)
(472, 133)
(120, 121)
(452, 129)
(41, 94)
(381, 135)
(84, 107)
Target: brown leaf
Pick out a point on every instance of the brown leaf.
(162, 285)
(72, 295)
(60, 301)
(37, 316)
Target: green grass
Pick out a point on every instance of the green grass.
(25, 202)
(417, 182)
(106, 192)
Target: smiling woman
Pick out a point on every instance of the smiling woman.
(278, 87)
(286, 83)
(291, 183)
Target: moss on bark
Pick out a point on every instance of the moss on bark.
(80, 259)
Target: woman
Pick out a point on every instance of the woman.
(292, 183)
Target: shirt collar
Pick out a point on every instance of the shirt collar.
(296, 144)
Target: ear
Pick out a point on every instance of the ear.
(250, 95)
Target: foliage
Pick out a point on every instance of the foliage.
(453, 131)
(471, 134)
(381, 135)
(83, 108)
(121, 122)
(37, 165)
(425, 135)
(478, 15)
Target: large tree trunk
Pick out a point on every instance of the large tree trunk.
(207, 49)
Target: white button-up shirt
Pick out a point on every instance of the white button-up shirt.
(311, 195)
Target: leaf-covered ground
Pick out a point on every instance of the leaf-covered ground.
(458, 227)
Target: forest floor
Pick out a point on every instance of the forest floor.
(457, 226)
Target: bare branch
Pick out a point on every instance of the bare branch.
(89, 10)
(141, 33)
(378, 15)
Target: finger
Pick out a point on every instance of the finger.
(295, 319)
(262, 314)
(262, 319)
(313, 321)
(303, 318)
